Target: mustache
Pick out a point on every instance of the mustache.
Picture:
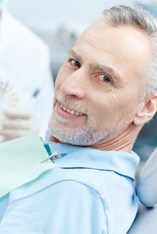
(70, 103)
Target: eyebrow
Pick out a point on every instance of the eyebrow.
(99, 67)
(73, 53)
(107, 69)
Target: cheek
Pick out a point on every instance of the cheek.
(122, 99)
(57, 82)
(100, 109)
(109, 106)
(60, 78)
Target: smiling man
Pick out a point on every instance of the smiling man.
(105, 92)
(99, 88)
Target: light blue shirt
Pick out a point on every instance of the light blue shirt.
(89, 192)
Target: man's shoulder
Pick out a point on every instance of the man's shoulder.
(93, 191)
(100, 182)
(58, 177)
(71, 200)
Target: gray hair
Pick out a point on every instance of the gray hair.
(142, 19)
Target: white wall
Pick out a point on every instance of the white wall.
(46, 15)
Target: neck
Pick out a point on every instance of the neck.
(122, 142)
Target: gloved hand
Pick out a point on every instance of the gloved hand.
(17, 122)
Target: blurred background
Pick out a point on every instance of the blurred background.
(59, 22)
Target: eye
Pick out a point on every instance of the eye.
(74, 63)
(105, 78)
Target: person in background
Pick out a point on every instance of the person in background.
(104, 93)
(26, 86)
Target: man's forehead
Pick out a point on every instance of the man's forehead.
(124, 37)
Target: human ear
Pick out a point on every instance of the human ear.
(147, 111)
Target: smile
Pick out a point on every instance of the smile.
(72, 112)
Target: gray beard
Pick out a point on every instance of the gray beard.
(86, 135)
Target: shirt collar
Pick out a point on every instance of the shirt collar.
(83, 157)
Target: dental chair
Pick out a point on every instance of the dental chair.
(146, 187)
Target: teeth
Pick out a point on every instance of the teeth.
(72, 112)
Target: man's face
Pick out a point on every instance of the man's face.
(97, 88)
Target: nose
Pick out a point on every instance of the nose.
(74, 85)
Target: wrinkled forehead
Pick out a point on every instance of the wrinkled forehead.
(127, 33)
(124, 41)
